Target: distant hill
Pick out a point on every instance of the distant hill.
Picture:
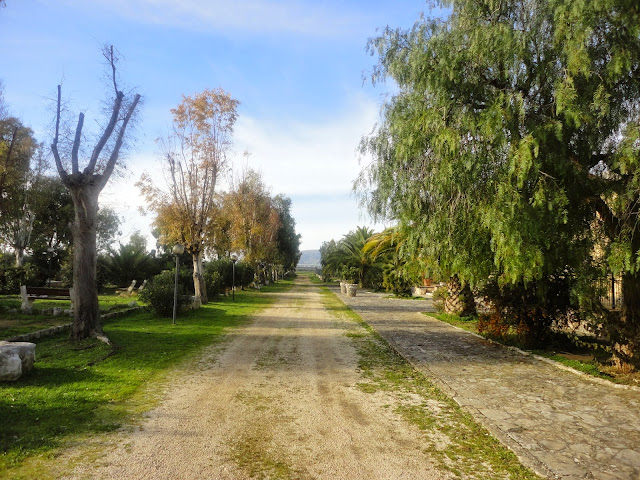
(310, 257)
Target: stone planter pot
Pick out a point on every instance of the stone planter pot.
(343, 287)
(352, 288)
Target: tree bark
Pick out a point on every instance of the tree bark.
(625, 334)
(199, 285)
(86, 314)
(19, 257)
(460, 300)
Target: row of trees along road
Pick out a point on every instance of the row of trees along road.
(37, 210)
(245, 220)
(191, 212)
(511, 150)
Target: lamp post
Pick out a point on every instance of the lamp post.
(177, 251)
(234, 259)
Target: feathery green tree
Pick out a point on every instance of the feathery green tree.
(512, 145)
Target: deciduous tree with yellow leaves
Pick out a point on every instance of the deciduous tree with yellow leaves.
(194, 155)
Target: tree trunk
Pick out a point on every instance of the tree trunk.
(22, 235)
(86, 313)
(199, 285)
(460, 300)
(625, 334)
(19, 257)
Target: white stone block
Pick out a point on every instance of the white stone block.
(24, 352)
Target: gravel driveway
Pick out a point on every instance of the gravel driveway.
(278, 400)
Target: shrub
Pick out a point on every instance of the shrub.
(439, 296)
(245, 274)
(12, 277)
(185, 278)
(213, 280)
(528, 310)
(373, 278)
(159, 294)
(224, 268)
(350, 274)
(395, 280)
(493, 326)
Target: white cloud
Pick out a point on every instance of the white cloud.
(314, 163)
(321, 218)
(298, 157)
(124, 198)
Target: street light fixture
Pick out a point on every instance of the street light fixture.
(177, 251)
(234, 259)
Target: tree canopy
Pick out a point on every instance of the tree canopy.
(511, 148)
(19, 174)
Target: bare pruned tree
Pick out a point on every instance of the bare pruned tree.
(85, 187)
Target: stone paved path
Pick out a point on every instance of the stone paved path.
(562, 425)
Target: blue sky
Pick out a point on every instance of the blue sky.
(296, 67)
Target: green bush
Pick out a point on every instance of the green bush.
(213, 280)
(12, 277)
(529, 310)
(350, 274)
(185, 278)
(159, 294)
(244, 274)
(373, 278)
(224, 268)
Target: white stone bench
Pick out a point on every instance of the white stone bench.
(16, 359)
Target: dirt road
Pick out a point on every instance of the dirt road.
(278, 400)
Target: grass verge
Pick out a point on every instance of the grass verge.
(82, 389)
(452, 437)
(315, 279)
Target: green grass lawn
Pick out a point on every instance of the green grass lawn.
(18, 323)
(80, 389)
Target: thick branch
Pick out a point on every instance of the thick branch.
(76, 145)
(612, 224)
(54, 145)
(117, 104)
(116, 149)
